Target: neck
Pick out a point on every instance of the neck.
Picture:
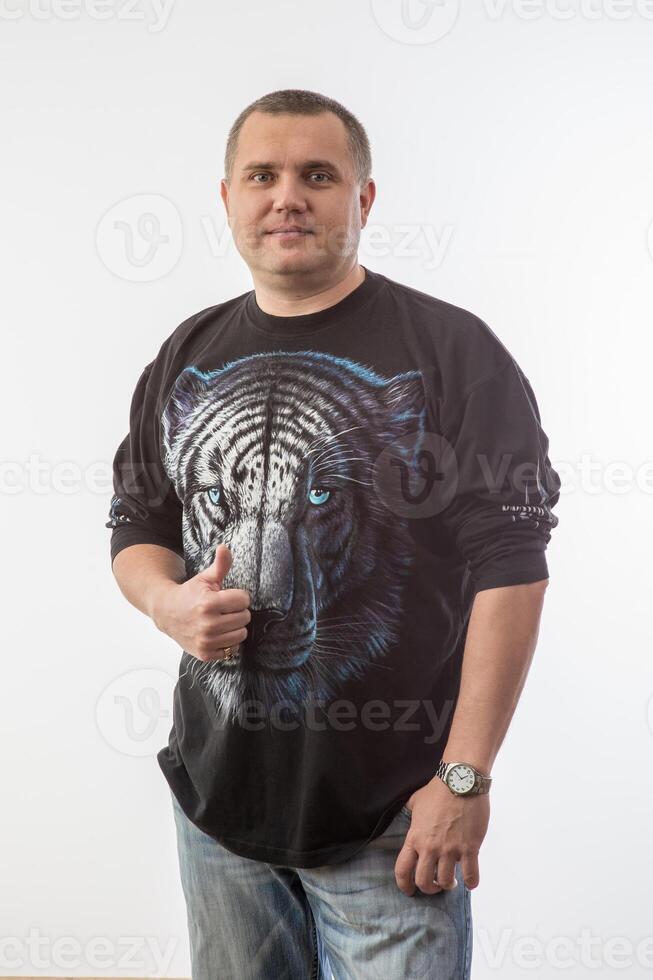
(307, 296)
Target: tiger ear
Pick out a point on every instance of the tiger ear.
(187, 392)
(403, 397)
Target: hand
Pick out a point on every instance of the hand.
(200, 615)
(444, 829)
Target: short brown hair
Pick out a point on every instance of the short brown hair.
(300, 102)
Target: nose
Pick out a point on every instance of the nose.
(289, 195)
(261, 620)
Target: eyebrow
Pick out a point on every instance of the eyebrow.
(308, 165)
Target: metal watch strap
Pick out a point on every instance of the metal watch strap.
(481, 785)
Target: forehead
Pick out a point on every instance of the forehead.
(288, 139)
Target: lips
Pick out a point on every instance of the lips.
(293, 229)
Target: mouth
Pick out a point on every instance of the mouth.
(289, 233)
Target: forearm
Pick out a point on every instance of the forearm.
(501, 639)
(144, 572)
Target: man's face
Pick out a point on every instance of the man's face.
(295, 172)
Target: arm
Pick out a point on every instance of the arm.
(500, 520)
(501, 640)
(145, 519)
(446, 829)
(144, 572)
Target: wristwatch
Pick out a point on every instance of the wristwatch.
(462, 779)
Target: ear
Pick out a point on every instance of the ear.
(224, 194)
(405, 404)
(404, 401)
(187, 394)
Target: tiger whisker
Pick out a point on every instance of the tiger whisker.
(342, 629)
(339, 459)
(340, 476)
(335, 619)
(325, 652)
(330, 654)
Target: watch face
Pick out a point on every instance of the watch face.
(461, 779)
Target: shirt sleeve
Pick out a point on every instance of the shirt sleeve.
(500, 515)
(144, 508)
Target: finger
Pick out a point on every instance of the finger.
(405, 868)
(469, 865)
(215, 650)
(231, 639)
(215, 573)
(447, 873)
(224, 601)
(226, 622)
(426, 872)
(232, 600)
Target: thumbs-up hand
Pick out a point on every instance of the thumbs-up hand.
(205, 619)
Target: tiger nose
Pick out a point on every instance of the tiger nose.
(261, 620)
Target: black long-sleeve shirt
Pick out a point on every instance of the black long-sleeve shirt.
(371, 467)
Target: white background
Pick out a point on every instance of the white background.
(521, 141)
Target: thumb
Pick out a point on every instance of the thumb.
(219, 567)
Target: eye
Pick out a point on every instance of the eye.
(320, 173)
(319, 496)
(214, 495)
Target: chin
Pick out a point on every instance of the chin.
(286, 264)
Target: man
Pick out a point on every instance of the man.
(335, 496)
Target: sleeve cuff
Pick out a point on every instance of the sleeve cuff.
(123, 537)
(535, 571)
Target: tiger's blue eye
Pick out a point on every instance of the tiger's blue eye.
(319, 496)
(214, 495)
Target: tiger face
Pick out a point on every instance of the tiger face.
(274, 454)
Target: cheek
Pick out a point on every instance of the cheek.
(338, 220)
(246, 222)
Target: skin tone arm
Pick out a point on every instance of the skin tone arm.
(199, 614)
(141, 570)
(445, 829)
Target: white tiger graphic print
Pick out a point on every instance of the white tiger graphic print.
(274, 455)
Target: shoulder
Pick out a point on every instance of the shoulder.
(461, 346)
(195, 324)
(180, 347)
(189, 334)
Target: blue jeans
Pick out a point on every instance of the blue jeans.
(248, 920)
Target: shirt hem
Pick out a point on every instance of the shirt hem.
(286, 857)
